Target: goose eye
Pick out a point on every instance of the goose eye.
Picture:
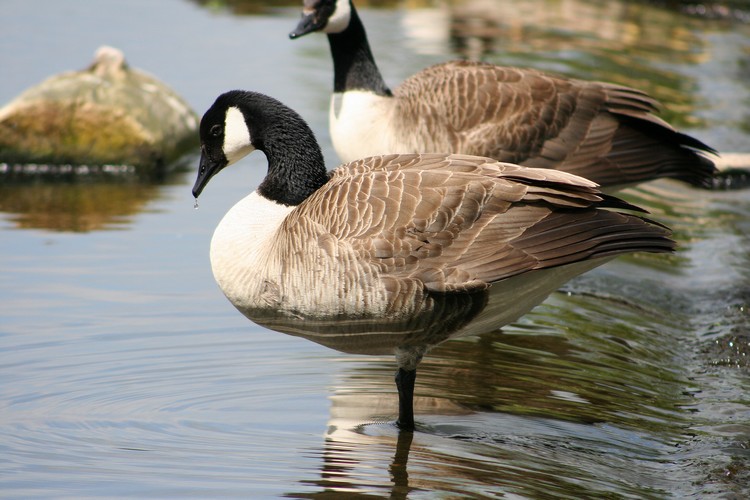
(215, 131)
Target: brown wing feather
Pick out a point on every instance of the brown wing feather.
(456, 223)
(604, 132)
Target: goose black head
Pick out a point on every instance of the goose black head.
(225, 138)
(329, 16)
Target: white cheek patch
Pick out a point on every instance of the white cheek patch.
(340, 18)
(237, 142)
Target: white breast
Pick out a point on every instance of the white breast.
(298, 269)
(240, 252)
(361, 125)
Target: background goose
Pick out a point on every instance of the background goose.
(604, 132)
(411, 248)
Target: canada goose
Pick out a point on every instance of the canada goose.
(386, 246)
(603, 132)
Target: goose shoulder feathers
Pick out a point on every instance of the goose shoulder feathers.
(603, 131)
(513, 114)
(460, 223)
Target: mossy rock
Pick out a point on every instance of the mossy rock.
(107, 114)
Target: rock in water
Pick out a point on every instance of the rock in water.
(106, 114)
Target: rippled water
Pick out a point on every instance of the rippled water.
(125, 373)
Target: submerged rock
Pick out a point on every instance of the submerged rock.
(108, 113)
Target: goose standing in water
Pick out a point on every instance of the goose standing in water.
(603, 132)
(397, 252)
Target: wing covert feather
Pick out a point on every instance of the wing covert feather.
(602, 131)
(457, 223)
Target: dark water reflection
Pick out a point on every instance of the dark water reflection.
(78, 200)
(126, 373)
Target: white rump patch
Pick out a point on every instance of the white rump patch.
(237, 142)
(340, 18)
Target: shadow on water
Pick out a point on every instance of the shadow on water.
(79, 199)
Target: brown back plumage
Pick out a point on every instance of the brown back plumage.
(604, 132)
(458, 223)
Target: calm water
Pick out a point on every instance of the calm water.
(125, 373)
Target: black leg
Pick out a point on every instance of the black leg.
(405, 384)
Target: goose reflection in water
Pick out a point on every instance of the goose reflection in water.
(514, 400)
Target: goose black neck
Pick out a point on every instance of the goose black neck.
(296, 167)
(296, 170)
(353, 63)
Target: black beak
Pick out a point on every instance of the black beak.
(306, 25)
(208, 168)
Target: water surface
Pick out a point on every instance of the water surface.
(125, 372)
